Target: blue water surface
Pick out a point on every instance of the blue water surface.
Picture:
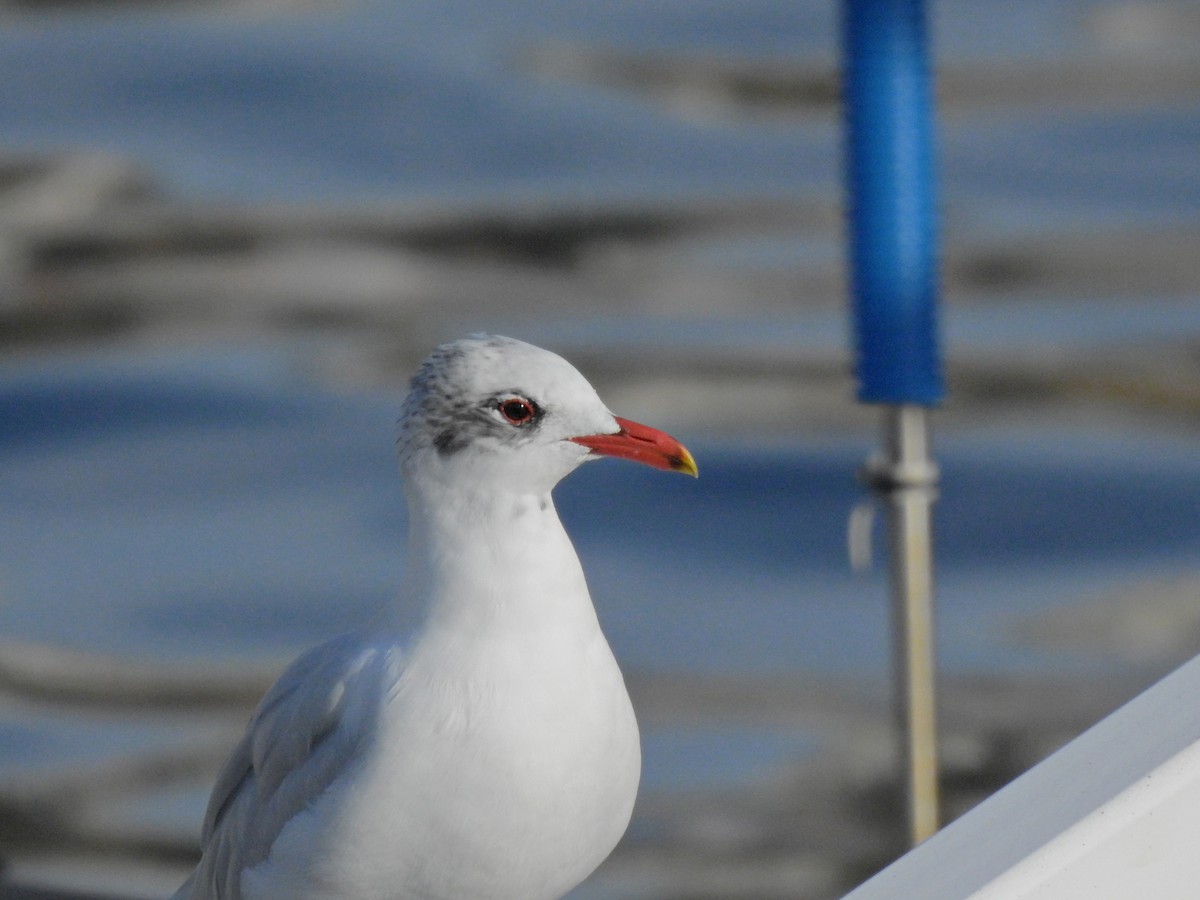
(370, 100)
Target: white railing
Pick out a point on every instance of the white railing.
(1114, 814)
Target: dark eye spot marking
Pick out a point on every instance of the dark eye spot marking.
(517, 410)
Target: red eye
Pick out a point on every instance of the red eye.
(517, 410)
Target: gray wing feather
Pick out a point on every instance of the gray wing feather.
(310, 723)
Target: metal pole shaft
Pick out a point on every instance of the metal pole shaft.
(909, 479)
(893, 251)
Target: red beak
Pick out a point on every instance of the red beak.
(643, 444)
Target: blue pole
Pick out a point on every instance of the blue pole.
(893, 256)
(892, 230)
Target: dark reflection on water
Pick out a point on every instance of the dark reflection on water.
(78, 410)
(773, 513)
(781, 511)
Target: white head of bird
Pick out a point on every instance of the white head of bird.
(496, 414)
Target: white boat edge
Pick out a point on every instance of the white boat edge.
(1113, 814)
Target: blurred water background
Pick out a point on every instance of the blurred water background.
(229, 231)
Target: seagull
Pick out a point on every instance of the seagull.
(495, 754)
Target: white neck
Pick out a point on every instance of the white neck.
(487, 559)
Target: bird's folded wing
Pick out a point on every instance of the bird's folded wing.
(305, 730)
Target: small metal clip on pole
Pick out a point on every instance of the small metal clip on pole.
(887, 99)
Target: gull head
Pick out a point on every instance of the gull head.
(497, 413)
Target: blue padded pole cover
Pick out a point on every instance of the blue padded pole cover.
(887, 98)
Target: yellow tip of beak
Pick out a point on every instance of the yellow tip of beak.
(685, 463)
